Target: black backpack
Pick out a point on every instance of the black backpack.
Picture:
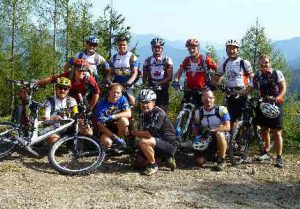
(52, 103)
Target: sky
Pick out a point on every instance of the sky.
(207, 20)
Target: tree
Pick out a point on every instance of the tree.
(110, 26)
(212, 52)
(255, 43)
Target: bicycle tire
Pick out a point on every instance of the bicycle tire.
(8, 134)
(81, 158)
(239, 143)
(181, 122)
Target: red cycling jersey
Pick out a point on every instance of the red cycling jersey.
(195, 72)
(88, 84)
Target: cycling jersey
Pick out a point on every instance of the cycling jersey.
(95, 61)
(155, 68)
(196, 76)
(235, 75)
(85, 86)
(60, 107)
(268, 83)
(105, 108)
(213, 118)
(158, 124)
(122, 65)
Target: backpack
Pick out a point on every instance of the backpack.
(201, 113)
(274, 79)
(52, 103)
(242, 65)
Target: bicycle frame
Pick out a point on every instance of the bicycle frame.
(189, 109)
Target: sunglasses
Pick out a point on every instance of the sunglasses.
(92, 44)
(63, 88)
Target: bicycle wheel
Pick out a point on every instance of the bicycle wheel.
(239, 144)
(183, 126)
(76, 157)
(8, 134)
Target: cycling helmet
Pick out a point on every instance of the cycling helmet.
(80, 64)
(192, 42)
(201, 143)
(147, 95)
(157, 42)
(62, 81)
(232, 42)
(269, 110)
(92, 40)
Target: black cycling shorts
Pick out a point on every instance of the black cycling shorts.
(236, 107)
(273, 123)
(196, 98)
(162, 96)
(162, 146)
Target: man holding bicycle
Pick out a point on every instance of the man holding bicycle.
(238, 74)
(112, 114)
(211, 128)
(157, 135)
(81, 82)
(271, 85)
(60, 106)
(158, 72)
(196, 67)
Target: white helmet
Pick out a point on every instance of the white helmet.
(201, 143)
(232, 42)
(147, 95)
(269, 110)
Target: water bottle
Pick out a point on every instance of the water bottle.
(178, 131)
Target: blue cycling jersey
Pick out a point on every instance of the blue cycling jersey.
(105, 108)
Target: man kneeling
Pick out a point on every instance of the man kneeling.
(157, 134)
(112, 114)
(216, 120)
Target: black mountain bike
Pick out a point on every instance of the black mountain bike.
(245, 132)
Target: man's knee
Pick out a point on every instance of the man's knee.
(105, 140)
(123, 122)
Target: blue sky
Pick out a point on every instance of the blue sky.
(210, 20)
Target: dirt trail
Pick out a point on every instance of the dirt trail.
(32, 183)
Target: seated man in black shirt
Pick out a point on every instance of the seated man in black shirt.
(157, 134)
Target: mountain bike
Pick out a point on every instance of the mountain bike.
(246, 131)
(85, 153)
(183, 124)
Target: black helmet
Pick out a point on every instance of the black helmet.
(157, 42)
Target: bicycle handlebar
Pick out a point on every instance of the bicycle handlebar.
(29, 84)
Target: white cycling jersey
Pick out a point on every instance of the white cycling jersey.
(59, 105)
(234, 73)
(210, 119)
(92, 59)
(157, 67)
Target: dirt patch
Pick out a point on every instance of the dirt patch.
(31, 183)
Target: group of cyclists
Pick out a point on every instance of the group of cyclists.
(112, 113)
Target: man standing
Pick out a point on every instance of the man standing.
(158, 72)
(271, 85)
